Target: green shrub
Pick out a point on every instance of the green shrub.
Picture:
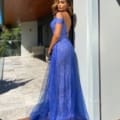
(10, 40)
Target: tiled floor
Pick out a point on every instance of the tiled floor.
(20, 87)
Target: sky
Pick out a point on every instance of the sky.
(0, 12)
(0, 19)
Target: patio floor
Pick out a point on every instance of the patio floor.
(20, 87)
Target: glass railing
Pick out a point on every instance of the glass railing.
(10, 48)
(1, 67)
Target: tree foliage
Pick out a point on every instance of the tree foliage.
(10, 40)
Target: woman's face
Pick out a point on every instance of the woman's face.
(62, 5)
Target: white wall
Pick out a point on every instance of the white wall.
(93, 58)
(86, 46)
(29, 37)
(80, 41)
(110, 59)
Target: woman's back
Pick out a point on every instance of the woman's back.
(67, 20)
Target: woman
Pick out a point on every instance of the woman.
(62, 98)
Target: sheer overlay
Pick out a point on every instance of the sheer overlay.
(62, 97)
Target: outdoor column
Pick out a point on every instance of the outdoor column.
(87, 49)
(110, 58)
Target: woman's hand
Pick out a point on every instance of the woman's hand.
(49, 51)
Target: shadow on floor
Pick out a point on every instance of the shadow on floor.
(6, 85)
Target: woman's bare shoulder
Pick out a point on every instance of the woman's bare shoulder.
(59, 15)
(62, 15)
(65, 14)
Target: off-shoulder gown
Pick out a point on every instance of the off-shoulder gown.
(62, 98)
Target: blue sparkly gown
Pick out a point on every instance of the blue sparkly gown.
(62, 97)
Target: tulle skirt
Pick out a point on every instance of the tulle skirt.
(62, 97)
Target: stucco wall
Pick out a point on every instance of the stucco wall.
(110, 58)
(29, 37)
(86, 46)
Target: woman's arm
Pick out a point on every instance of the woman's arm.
(56, 34)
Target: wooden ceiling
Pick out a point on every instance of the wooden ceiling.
(16, 11)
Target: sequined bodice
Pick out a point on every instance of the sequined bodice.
(64, 33)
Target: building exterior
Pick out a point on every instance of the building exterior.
(110, 57)
(96, 40)
(33, 17)
(97, 45)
